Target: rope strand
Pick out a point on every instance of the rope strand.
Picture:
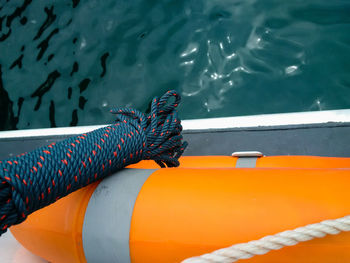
(274, 242)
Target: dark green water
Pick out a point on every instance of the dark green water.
(67, 62)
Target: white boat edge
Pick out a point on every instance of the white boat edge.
(263, 120)
(12, 251)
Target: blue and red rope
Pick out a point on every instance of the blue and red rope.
(34, 180)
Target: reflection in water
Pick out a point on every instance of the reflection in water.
(66, 62)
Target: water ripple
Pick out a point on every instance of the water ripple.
(226, 57)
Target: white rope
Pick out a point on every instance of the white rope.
(274, 242)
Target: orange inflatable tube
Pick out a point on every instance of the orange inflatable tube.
(204, 205)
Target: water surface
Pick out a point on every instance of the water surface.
(67, 62)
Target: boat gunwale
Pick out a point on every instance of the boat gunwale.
(293, 120)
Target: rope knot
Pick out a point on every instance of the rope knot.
(160, 129)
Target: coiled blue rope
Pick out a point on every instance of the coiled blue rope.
(39, 178)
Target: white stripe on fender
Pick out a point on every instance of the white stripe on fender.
(108, 216)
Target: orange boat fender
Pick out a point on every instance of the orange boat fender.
(143, 214)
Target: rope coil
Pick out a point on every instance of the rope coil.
(34, 180)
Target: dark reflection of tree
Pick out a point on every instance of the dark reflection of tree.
(7, 119)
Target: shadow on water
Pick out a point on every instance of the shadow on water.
(7, 120)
